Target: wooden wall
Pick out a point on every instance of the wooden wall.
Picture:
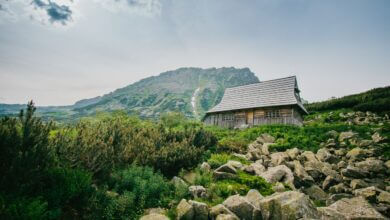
(273, 115)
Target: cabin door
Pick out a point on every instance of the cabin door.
(249, 117)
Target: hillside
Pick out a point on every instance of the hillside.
(152, 96)
(374, 100)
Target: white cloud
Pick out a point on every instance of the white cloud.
(142, 7)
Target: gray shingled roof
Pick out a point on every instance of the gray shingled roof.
(275, 92)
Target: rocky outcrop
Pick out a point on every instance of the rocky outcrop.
(242, 208)
(288, 205)
(354, 208)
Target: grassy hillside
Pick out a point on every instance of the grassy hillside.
(375, 100)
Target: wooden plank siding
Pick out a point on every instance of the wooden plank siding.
(258, 116)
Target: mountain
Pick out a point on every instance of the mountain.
(191, 91)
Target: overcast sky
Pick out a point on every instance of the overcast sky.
(60, 51)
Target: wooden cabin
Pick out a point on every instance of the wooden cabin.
(269, 102)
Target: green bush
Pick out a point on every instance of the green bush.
(255, 182)
(233, 144)
(217, 160)
(24, 151)
(23, 208)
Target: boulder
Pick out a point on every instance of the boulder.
(377, 138)
(227, 217)
(301, 177)
(353, 172)
(205, 167)
(342, 164)
(265, 148)
(279, 173)
(235, 164)
(255, 168)
(279, 158)
(329, 181)
(354, 208)
(340, 152)
(201, 211)
(316, 193)
(336, 197)
(330, 214)
(288, 205)
(160, 211)
(346, 135)
(179, 182)
(293, 153)
(387, 164)
(242, 207)
(185, 211)
(265, 138)
(198, 191)
(358, 153)
(368, 193)
(219, 210)
(309, 156)
(278, 187)
(358, 183)
(339, 188)
(254, 197)
(223, 175)
(332, 133)
(372, 165)
(324, 155)
(227, 168)
(384, 197)
(154, 216)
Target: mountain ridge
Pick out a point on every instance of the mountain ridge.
(152, 96)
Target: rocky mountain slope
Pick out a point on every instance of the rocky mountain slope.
(348, 177)
(191, 91)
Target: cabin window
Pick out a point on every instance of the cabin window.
(228, 117)
(273, 114)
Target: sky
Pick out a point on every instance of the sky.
(57, 52)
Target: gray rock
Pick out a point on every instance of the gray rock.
(265, 138)
(279, 173)
(201, 211)
(185, 211)
(324, 155)
(242, 207)
(227, 168)
(384, 197)
(154, 216)
(255, 168)
(309, 156)
(346, 136)
(205, 167)
(316, 193)
(279, 158)
(354, 208)
(301, 177)
(223, 175)
(254, 197)
(329, 181)
(218, 210)
(335, 197)
(227, 217)
(358, 183)
(358, 153)
(198, 191)
(353, 172)
(278, 187)
(371, 165)
(293, 153)
(288, 205)
(339, 188)
(179, 182)
(377, 138)
(368, 193)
